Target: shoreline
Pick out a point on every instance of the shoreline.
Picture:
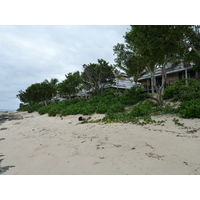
(33, 144)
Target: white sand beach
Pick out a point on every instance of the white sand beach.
(42, 145)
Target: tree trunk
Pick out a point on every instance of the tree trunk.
(152, 83)
(164, 77)
(186, 65)
(152, 80)
(117, 83)
(160, 89)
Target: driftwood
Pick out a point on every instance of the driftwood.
(83, 119)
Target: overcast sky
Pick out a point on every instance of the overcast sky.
(30, 54)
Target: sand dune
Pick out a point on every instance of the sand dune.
(38, 144)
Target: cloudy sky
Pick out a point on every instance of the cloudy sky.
(30, 54)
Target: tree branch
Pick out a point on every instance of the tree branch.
(191, 46)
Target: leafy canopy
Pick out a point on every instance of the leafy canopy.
(129, 62)
(38, 92)
(71, 85)
(97, 75)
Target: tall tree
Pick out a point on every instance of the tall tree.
(71, 85)
(37, 92)
(129, 62)
(191, 46)
(54, 83)
(97, 75)
(22, 96)
(158, 46)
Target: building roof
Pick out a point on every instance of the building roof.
(169, 70)
(121, 84)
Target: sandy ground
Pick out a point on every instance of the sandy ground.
(42, 145)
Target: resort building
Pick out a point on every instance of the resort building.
(122, 83)
(173, 74)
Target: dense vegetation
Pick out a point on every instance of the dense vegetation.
(188, 93)
(109, 101)
(150, 47)
(129, 105)
(94, 78)
(146, 49)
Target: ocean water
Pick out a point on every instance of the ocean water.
(5, 110)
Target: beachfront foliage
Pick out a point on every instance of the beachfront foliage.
(146, 48)
(190, 109)
(97, 75)
(30, 108)
(140, 110)
(166, 109)
(183, 90)
(188, 92)
(132, 96)
(113, 103)
(133, 65)
(109, 101)
(37, 93)
(71, 85)
(151, 46)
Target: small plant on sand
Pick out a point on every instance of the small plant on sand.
(177, 122)
(140, 110)
(190, 109)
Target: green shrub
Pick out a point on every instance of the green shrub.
(94, 99)
(23, 107)
(167, 109)
(117, 107)
(170, 92)
(102, 108)
(66, 102)
(190, 96)
(110, 100)
(33, 108)
(181, 89)
(88, 110)
(55, 109)
(150, 103)
(140, 110)
(75, 101)
(65, 112)
(29, 108)
(43, 110)
(71, 110)
(132, 96)
(53, 112)
(190, 109)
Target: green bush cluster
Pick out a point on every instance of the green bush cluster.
(127, 118)
(188, 94)
(140, 110)
(190, 109)
(182, 91)
(109, 101)
(30, 108)
(113, 102)
(166, 109)
(132, 96)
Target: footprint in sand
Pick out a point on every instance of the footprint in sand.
(117, 145)
(153, 155)
(96, 163)
(41, 147)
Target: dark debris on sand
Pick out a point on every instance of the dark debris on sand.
(5, 168)
(9, 116)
